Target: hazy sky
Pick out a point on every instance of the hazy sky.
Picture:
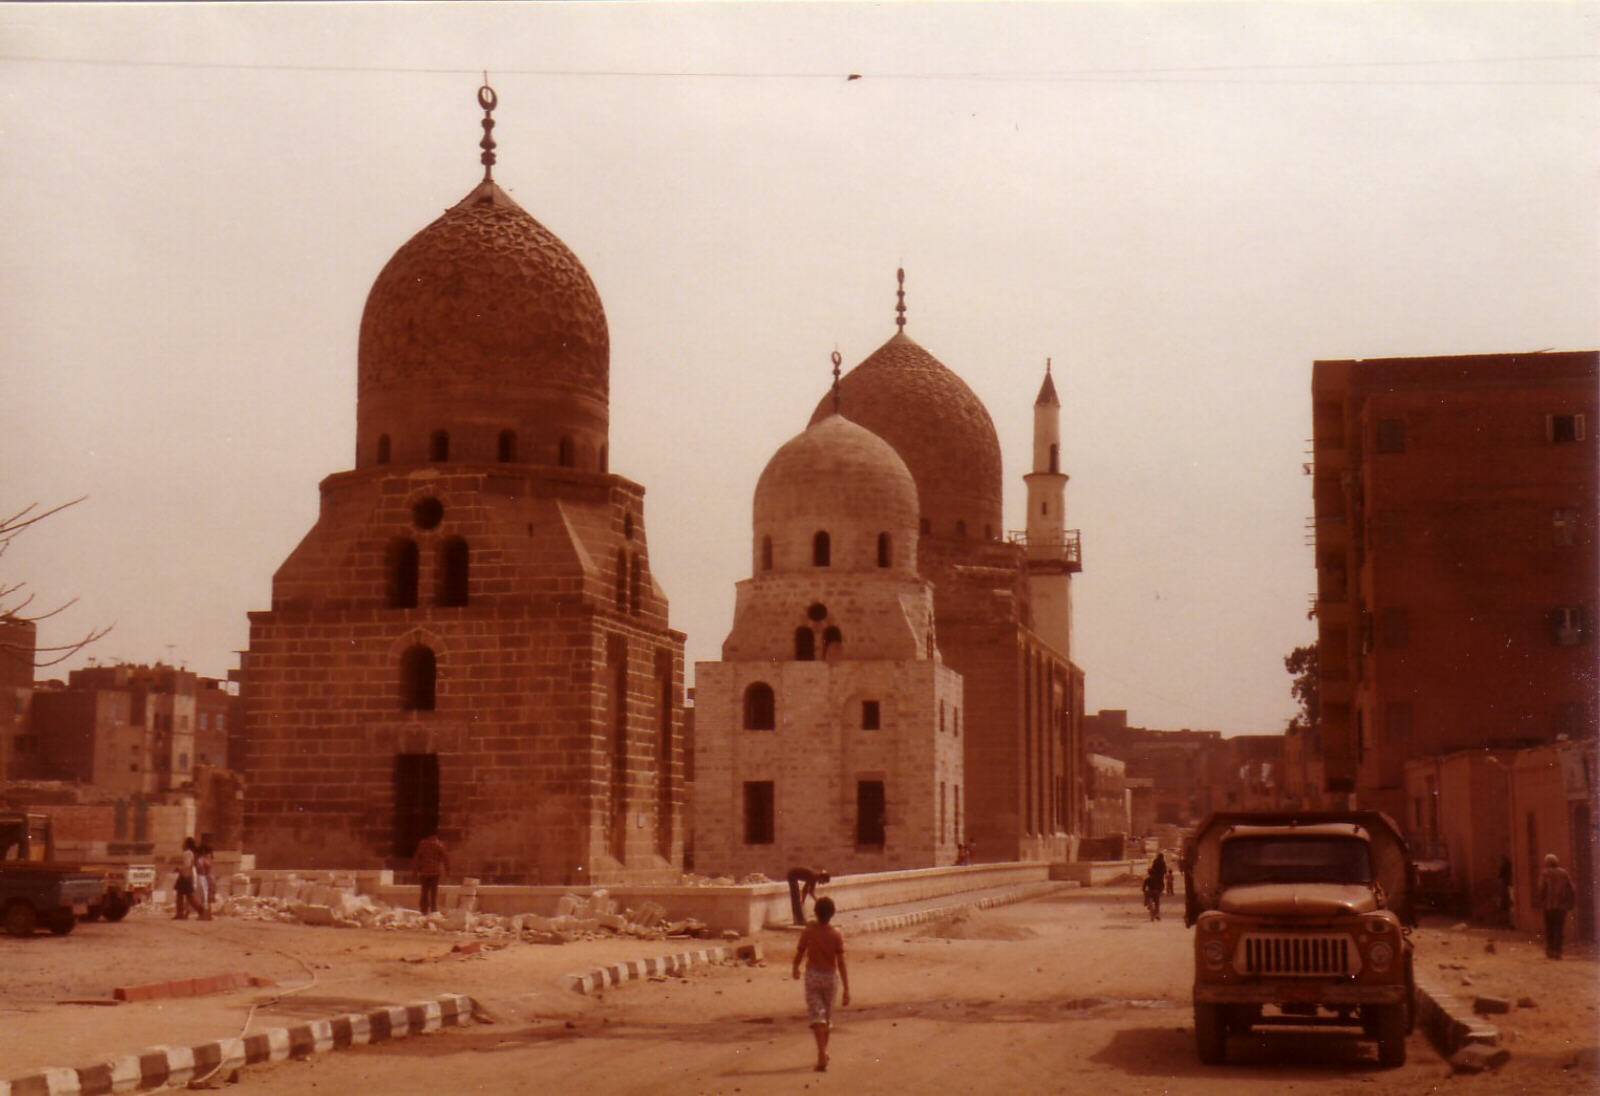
(1183, 205)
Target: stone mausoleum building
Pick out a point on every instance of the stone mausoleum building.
(830, 732)
(1002, 602)
(1001, 620)
(469, 639)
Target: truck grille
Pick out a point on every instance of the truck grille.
(1311, 956)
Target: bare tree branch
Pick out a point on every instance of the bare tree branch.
(13, 609)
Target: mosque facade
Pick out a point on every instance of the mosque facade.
(990, 676)
(1002, 600)
(470, 641)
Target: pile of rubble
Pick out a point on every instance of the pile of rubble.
(337, 904)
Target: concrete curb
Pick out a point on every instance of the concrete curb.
(1449, 1021)
(162, 1067)
(189, 987)
(636, 969)
(902, 920)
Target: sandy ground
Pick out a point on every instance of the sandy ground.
(1078, 992)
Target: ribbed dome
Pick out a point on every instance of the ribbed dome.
(939, 427)
(492, 321)
(841, 479)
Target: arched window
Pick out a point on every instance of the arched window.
(622, 579)
(832, 643)
(453, 568)
(439, 445)
(760, 707)
(961, 529)
(508, 446)
(383, 448)
(635, 583)
(885, 550)
(1055, 458)
(820, 549)
(627, 526)
(565, 453)
(418, 677)
(401, 567)
(805, 644)
(766, 553)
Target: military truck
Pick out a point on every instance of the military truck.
(27, 841)
(1306, 914)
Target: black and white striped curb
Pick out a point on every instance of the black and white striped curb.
(165, 1067)
(919, 917)
(636, 969)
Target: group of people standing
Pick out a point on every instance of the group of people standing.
(196, 885)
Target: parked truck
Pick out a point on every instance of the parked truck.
(27, 848)
(1306, 914)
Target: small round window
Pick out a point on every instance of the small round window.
(818, 611)
(427, 513)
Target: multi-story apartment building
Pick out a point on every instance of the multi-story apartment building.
(1456, 559)
(126, 729)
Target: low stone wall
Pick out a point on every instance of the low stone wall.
(744, 908)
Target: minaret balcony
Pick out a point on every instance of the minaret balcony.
(1062, 546)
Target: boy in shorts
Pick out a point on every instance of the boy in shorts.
(822, 947)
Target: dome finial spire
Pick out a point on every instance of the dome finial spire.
(900, 299)
(836, 361)
(488, 100)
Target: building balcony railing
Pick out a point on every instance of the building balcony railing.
(1065, 546)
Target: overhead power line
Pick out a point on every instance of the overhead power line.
(1285, 73)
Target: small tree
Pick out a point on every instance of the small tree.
(16, 601)
(1303, 667)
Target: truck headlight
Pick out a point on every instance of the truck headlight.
(1380, 955)
(1215, 954)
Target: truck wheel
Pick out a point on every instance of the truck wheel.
(20, 919)
(115, 907)
(61, 922)
(1391, 1025)
(1210, 1034)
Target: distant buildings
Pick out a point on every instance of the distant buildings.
(1457, 585)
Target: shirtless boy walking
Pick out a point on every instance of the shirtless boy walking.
(822, 947)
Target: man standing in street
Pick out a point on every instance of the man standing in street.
(430, 863)
(1555, 895)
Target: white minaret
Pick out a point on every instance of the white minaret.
(1053, 555)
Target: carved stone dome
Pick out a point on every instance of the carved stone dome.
(940, 429)
(485, 322)
(840, 479)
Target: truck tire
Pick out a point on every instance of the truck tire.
(1210, 1034)
(20, 920)
(61, 922)
(1391, 1034)
(115, 907)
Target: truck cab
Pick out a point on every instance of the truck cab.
(28, 852)
(1300, 918)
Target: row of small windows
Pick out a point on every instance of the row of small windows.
(403, 566)
(760, 813)
(1558, 430)
(1567, 625)
(506, 450)
(822, 550)
(761, 711)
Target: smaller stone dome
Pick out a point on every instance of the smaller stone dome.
(836, 496)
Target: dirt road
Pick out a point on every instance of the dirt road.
(1077, 992)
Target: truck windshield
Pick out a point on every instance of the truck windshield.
(1277, 859)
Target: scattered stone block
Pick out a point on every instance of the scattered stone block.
(1526, 1002)
(1477, 1057)
(308, 914)
(1485, 1005)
